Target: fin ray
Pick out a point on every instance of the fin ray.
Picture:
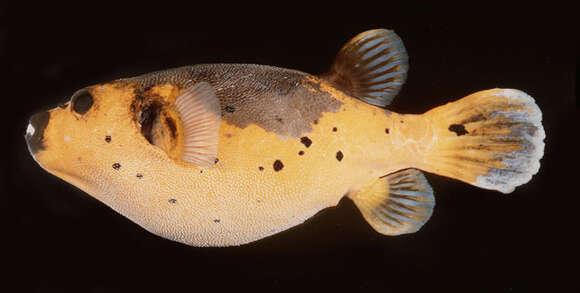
(371, 67)
(398, 203)
(492, 139)
(200, 113)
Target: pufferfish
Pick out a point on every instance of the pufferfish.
(226, 154)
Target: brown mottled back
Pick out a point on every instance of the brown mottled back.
(280, 100)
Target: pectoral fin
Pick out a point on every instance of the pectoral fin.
(200, 113)
(398, 203)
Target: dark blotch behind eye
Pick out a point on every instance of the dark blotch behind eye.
(147, 118)
(81, 102)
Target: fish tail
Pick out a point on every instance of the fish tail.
(492, 139)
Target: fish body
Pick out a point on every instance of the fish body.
(270, 147)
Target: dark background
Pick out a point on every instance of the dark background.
(55, 238)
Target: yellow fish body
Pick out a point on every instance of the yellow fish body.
(225, 154)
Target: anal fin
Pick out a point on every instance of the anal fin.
(399, 203)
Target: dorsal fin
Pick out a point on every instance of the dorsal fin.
(200, 113)
(372, 67)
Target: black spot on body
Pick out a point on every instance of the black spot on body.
(200, 171)
(334, 129)
(216, 220)
(261, 168)
(300, 153)
(278, 165)
(230, 109)
(116, 166)
(139, 175)
(172, 126)
(216, 160)
(316, 121)
(386, 130)
(306, 141)
(459, 129)
(402, 121)
(339, 156)
(108, 138)
(172, 200)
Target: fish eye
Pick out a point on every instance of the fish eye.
(81, 101)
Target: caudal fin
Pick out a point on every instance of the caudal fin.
(492, 139)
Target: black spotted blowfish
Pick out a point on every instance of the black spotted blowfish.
(226, 154)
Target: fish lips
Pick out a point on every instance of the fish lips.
(35, 131)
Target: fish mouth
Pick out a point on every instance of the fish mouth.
(34, 135)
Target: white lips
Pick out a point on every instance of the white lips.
(30, 130)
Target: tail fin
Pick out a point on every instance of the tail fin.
(492, 139)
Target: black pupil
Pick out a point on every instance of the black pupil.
(82, 102)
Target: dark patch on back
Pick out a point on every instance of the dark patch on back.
(278, 165)
(300, 153)
(334, 129)
(386, 130)
(339, 156)
(108, 138)
(230, 109)
(216, 160)
(261, 168)
(216, 220)
(316, 121)
(172, 126)
(172, 200)
(263, 95)
(306, 141)
(459, 129)
(116, 166)
(139, 175)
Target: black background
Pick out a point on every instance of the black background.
(55, 238)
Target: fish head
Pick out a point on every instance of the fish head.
(105, 135)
